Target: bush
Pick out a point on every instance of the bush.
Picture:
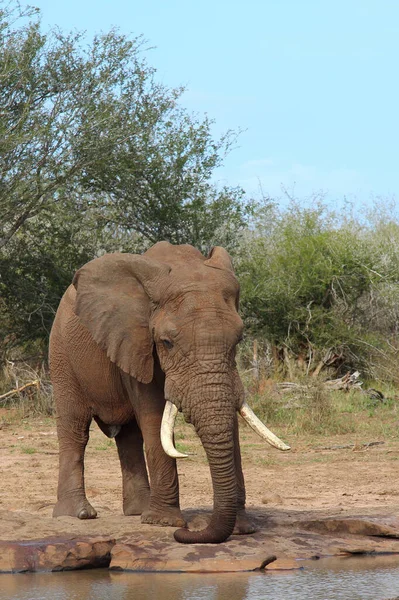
(316, 284)
(96, 156)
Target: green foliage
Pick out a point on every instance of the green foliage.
(37, 270)
(95, 156)
(90, 123)
(312, 281)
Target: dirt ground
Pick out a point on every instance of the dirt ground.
(309, 477)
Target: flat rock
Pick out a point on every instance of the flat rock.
(55, 554)
(32, 542)
(196, 558)
(387, 527)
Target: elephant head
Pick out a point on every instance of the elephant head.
(175, 306)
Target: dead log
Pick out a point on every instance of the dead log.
(329, 359)
(322, 363)
(350, 446)
(21, 389)
(347, 382)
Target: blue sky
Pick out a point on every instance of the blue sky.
(313, 84)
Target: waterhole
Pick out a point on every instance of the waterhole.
(365, 578)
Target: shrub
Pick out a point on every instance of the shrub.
(317, 284)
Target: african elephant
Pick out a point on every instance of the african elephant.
(136, 339)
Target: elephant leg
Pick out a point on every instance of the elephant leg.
(73, 435)
(243, 524)
(136, 489)
(164, 508)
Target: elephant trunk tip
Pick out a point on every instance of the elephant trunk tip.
(206, 536)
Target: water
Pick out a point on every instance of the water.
(374, 578)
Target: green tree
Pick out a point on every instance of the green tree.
(320, 284)
(95, 155)
(93, 122)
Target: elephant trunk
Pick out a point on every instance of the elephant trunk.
(218, 443)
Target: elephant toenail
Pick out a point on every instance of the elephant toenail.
(83, 514)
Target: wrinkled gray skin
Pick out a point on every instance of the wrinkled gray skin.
(129, 333)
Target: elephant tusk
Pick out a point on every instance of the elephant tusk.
(167, 426)
(249, 416)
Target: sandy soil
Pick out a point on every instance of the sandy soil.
(307, 478)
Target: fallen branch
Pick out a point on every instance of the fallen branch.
(350, 446)
(21, 389)
(346, 382)
(288, 386)
(329, 359)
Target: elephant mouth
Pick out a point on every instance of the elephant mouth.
(168, 424)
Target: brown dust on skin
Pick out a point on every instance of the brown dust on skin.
(306, 478)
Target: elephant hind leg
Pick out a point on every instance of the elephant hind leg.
(73, 435)
(136, 489)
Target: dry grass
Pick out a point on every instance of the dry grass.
(314, 412)
(323, 413)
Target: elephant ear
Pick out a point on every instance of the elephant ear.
(219, 258)
(113, 302)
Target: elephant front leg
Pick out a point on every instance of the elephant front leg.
(244, 524)
(136, 489)
(73, 435)
(164, 508)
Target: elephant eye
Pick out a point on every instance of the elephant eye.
(167, 343)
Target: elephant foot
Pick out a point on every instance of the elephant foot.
(167, 517)
(82, 509)
(137, 505)
(244, 524)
